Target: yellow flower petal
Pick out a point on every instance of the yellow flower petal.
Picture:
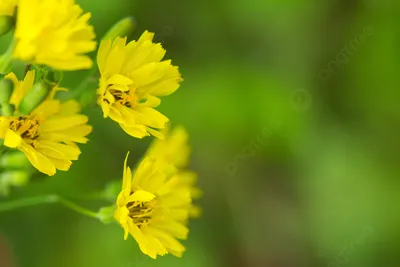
(156, 119)
(61, 164)
(119, 79)
(12, 139)
(143, 172)
(62, 123)
(126, 176)
(140, 195)
(54, 33)
(69, 108)
(7, 7)
(56, 150)
(146, 36)
(152, 247)
(102, 54)
(38, 160)
(47, 108)
(20, 88)
(174, 228)
(137, 131)
(173, 246)
(115, 59)
(73, 134)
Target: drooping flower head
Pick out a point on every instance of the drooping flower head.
(54, 33)
(132, 78)
(7, 7)
(174, 151)
(47, 135)
(153, 207)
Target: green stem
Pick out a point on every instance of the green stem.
(26, 202)
(47, 199)
(78, 208)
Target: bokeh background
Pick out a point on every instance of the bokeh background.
(294, 120)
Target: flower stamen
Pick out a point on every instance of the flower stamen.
(26, 127)
(126, 99)
(141, 212)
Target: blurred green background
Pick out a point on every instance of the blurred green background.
(294, 120)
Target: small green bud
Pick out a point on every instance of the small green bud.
(106, 214)
(34, 97)
(6, 24)
(14, 160)
(124, 27)
(6, 59)
(6, 89)
(5, 63)
(7, 109)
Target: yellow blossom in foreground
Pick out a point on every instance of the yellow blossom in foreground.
(7, 7)
(48, 135)
(54, 33)
(153, 207)
(132, 78)
(175, 151)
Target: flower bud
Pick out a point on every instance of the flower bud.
(14, 160)
(6, 59)
(34, 97)
(106, 214)
(6, 24)
(6, 89)
(6, 109)
(5, 63)
(124, 27)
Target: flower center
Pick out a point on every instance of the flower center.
(141, 212)
(124, 98)
(27, 128)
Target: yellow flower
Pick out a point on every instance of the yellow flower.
(132, 78)
(175, 151)
(54, 33)
(153, 207)
(7, 7)
(47, 136)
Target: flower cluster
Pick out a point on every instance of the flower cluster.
(156, 200)
(39, 132)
